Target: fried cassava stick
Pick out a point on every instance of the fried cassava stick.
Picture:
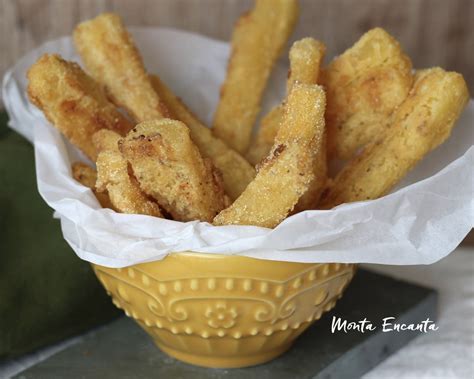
(258, 39)
(73, 102)
(99, 41)
(113, 177)
(287, 173)
(364, 86)
(87, 176)
(420, 124)
(112, 58)
(169, 168)
(236, 171)
(306, 56)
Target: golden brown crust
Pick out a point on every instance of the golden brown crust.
(113, 177)
(111, 57)
(306, 56)
(364, 86)
(287, 172)
(236, 171)
(421, 123)
(84, 174)
(258, 38)
(105, 140)
(169, 168)
(269, 125)
(87, 176)
(72, 102)
(312, 196)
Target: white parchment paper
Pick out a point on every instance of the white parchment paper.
(420, 222)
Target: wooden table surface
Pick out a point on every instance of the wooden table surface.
(432, 32)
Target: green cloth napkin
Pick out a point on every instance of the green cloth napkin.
(46, 292)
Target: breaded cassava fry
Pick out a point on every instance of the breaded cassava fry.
(306, 56)
(87, 176)
(421, 123)
(169, 168)
(105, 140)
(364, 86)
(258, 38)
(269, 125)
(114, 178)
(236, 171)
(112, 58)
(312, 196)
(148, 98)
(84, 174)
(73, 102)
(287, 173)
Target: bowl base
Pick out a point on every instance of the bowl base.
(224, 362)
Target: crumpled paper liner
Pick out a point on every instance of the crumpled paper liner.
(420, 222)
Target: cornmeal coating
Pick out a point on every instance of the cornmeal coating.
(306, 56)
(312, 196)
(87, 176)
(237, 173)
(288, 171)
(169, 168)
(259, 37)
(146, 98)
(364, 86)
(114, 178)
(421, 123)
(111, 57)
(73, 102)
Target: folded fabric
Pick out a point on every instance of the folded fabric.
(46, 292)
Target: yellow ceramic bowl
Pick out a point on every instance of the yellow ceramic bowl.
(225, 311)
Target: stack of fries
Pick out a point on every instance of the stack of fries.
(367, 109)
